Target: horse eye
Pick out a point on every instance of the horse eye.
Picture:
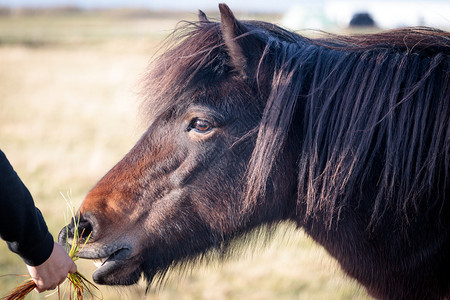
(201, 125)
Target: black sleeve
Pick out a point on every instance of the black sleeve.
(21, 223)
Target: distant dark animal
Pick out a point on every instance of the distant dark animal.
(250, 125)
(362, 20)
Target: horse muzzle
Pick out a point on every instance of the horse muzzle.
(116, 263)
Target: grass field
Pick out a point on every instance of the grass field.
(68, 112)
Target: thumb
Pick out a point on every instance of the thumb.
(73, 268)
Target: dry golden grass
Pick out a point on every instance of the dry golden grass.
(21, 291)
(68, 114)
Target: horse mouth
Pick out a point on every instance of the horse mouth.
(116, 267)
(113, 258)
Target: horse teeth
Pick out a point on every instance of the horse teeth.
(98, 263)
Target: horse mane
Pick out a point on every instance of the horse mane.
(366, 109)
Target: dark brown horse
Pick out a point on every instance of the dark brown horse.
(250, 125)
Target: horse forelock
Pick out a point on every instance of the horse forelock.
(194, 55)
(192, 50)
(365, 110)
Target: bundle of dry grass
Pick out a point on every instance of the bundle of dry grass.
(21, 291)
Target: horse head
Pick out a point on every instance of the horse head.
(179, 192)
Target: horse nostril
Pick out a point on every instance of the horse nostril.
(80, 227)
(84, 227)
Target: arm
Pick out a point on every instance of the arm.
(21, 223)
(23, 228)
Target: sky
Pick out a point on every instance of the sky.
(311, 13)
(187, 5)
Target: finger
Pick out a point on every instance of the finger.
(73, 268)
(39, 290)
(62, 280)
(39, 286)
(44, 288)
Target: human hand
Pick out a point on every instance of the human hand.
(53, 271)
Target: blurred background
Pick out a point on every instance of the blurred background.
(69, 79)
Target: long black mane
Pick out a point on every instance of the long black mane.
(369, 114)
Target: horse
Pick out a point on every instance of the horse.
(251, 125)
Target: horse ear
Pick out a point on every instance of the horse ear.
(202, 16)
(241, 46)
